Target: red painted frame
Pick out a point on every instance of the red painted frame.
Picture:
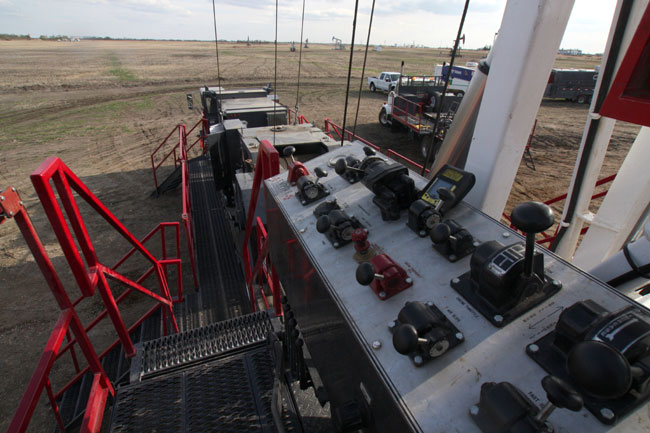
(624, 101)
(268, 165)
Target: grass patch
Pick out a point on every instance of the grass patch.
(119, 72)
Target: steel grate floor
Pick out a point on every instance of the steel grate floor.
(232, 394)
(222, 286)
(158, 356)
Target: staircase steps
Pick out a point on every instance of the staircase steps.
(72, 404)
(171, 352)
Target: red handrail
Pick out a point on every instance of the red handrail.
(268, 165)
(11, 206)
(264, 271)
(179, 151)
(413, 121)
(92, 274)
(186, 216)
(548, 239)
(331, 127)
(300, 120)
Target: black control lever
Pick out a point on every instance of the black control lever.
(366, 274)
(445, 195)
(531, 218)
(406, 339)
(600, 370)
(288, 152)
(319, 174)
(560, 395)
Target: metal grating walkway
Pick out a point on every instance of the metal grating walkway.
(221, 278)
(232, 394)
(159, 356)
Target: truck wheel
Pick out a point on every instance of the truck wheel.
(383, 117)
(581, 99)
(372, 87)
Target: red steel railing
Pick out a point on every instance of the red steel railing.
(178, 152)
(546, 237)
(409, 115)
(332, 128)
(54, 174)
(186, 217)
(299, 120)
(268, 165)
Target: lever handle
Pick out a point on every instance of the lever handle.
(340, 166)
(406, 339)
(323, 224)
(320, 172)
(366, 274)
(561, 394)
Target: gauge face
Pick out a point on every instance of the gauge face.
(432, 220)
(311, 192)
(346, 233)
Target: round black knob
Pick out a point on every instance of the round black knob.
(445, 194)
(599, 370)
(561, 394)
(288, 151)
(405, 338)
(323, 224)
(320, 172)
(440, 233)
(340, 166)
(368, 151)
(365, 273)
(532, 217)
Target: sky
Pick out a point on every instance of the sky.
(431, 23)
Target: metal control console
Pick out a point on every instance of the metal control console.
(347, 328)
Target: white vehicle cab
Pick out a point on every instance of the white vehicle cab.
(386, 81)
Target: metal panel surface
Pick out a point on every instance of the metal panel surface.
(437, 396)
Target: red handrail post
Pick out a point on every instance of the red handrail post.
(268, 165)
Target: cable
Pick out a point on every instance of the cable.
(442, 97)
(302, 26)
(275, 73)
(347, 90)
(363, 70)
(216, 44)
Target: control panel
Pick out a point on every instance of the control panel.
(429, 321)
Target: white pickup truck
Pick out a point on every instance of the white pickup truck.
(386, 81)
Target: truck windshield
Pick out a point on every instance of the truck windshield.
(394, 77)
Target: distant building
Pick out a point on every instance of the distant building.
(570, 52)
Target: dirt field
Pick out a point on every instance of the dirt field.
(103, 106)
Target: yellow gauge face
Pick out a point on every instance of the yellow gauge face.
(452, 174)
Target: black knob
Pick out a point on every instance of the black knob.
(599, 370)
(532, 217)
(340, 166)
(445, 194)
(323, 224)
(365, 273)
(368, 151)
(440, 233)
(289, 151)
(405, 338)
(561, 394)
(320, 172)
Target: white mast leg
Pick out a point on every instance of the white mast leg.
(623, 206)
(524, 53)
